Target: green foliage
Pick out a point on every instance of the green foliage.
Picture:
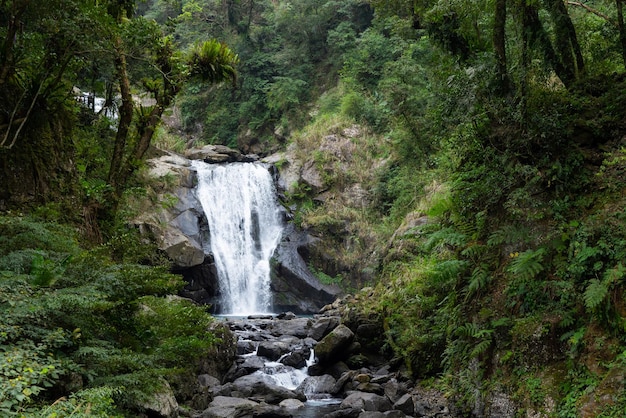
(326, 279)
(213, 61)
(83, 326)
(527, 265)
(96, 402)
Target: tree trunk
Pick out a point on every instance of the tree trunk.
(499, 46)
(537, 37)
(622, 29)
(567, 44)
(7, 66)
(125, 118)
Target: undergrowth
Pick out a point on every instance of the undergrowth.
(82, 335)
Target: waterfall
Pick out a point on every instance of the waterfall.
(239, 200)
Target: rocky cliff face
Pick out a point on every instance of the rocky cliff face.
(176, 221)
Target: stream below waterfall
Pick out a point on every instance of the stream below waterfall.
(245, 226)
(278, 352)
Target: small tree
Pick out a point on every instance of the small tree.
(167, 70)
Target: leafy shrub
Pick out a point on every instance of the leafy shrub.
(75, 323)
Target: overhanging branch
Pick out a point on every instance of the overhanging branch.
(591, 10)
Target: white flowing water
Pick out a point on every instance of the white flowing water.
(245, 227)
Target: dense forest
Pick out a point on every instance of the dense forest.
(492, 151)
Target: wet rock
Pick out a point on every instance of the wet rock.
(286, 316)
(366, 401)
(323, 326)
(297, 358)
(258, 387)
(387, 414)
(163, 403)
(332, 347)
(264, 410)
(291, 404)
(272, 350)
(206, 380)
(317, 385)
(297, 327)
(228, 407)
(246, 347)
(252, 364)
(296, 288)
(405, 404)
(344, 413)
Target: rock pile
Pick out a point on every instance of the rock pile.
(270, 377)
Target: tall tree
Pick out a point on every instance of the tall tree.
(499, 45)
(167, 71)
(566, 40)
(622, 27)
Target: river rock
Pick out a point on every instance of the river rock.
(323, 326)
(227, 407)
(258, 387)
(332, 347)
(405, 404)
(206, 380)
(291, 404)
(387, 414)
(366, 401)
(272, 350)
(245, 347)
(163, 403)
(297, 327)
(297, 358)
(344, 413)
(252, 364)
(317, 385)
(394, 390)
(264, 410)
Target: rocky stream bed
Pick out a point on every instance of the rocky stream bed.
(317, 366)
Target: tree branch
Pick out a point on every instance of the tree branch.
(591, 10)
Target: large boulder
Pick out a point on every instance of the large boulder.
(296, 288)
(227, 407)
(366, 402)
(175, 227)
(258, 387)
(214, 154)
(162, 403)
(332, 347)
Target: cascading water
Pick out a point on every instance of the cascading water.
(245, 227)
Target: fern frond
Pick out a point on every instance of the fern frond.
(595, 293)
(466, 228)
(474, 250)
(448, 271)
(480, 348)
(615, 274)
(586, 253)
(480, 279)
(509, 234)
(528, 264)
(443, 237)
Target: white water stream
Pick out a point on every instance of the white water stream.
(239, 200)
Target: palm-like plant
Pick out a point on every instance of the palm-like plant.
(213, 61)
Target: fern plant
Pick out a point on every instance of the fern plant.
(527, 265)
(597, 290)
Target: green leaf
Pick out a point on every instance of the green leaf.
(528, 265)
(595, 293)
